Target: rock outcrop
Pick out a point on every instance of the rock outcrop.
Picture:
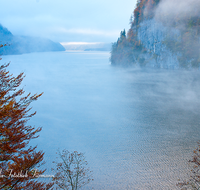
(168, 41)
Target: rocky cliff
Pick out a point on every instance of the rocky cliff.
(152, 34)
(156, 41)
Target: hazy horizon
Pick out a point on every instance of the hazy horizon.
(67, 21)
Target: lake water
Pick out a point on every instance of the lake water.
(137, 128)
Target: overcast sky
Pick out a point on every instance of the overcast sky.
(67, 20)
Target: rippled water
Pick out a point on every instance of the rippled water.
(137, 127)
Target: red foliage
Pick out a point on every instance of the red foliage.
(145, 8)
(194, 180)
(17, 160)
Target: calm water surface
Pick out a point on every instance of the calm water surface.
(136, 127)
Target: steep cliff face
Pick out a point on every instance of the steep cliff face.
(25, 44)
(170, 40)
(151, 50)
(152, 34)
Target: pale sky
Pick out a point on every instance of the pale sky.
(67, 20)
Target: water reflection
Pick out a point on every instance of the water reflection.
(137, 127)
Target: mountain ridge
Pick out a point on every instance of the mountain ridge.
(25, 44)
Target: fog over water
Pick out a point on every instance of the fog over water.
(137, 127)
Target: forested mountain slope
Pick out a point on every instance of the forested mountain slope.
(163, 34)
(25, 44)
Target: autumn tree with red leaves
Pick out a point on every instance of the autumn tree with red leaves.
(17, 159)
(194, 181)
